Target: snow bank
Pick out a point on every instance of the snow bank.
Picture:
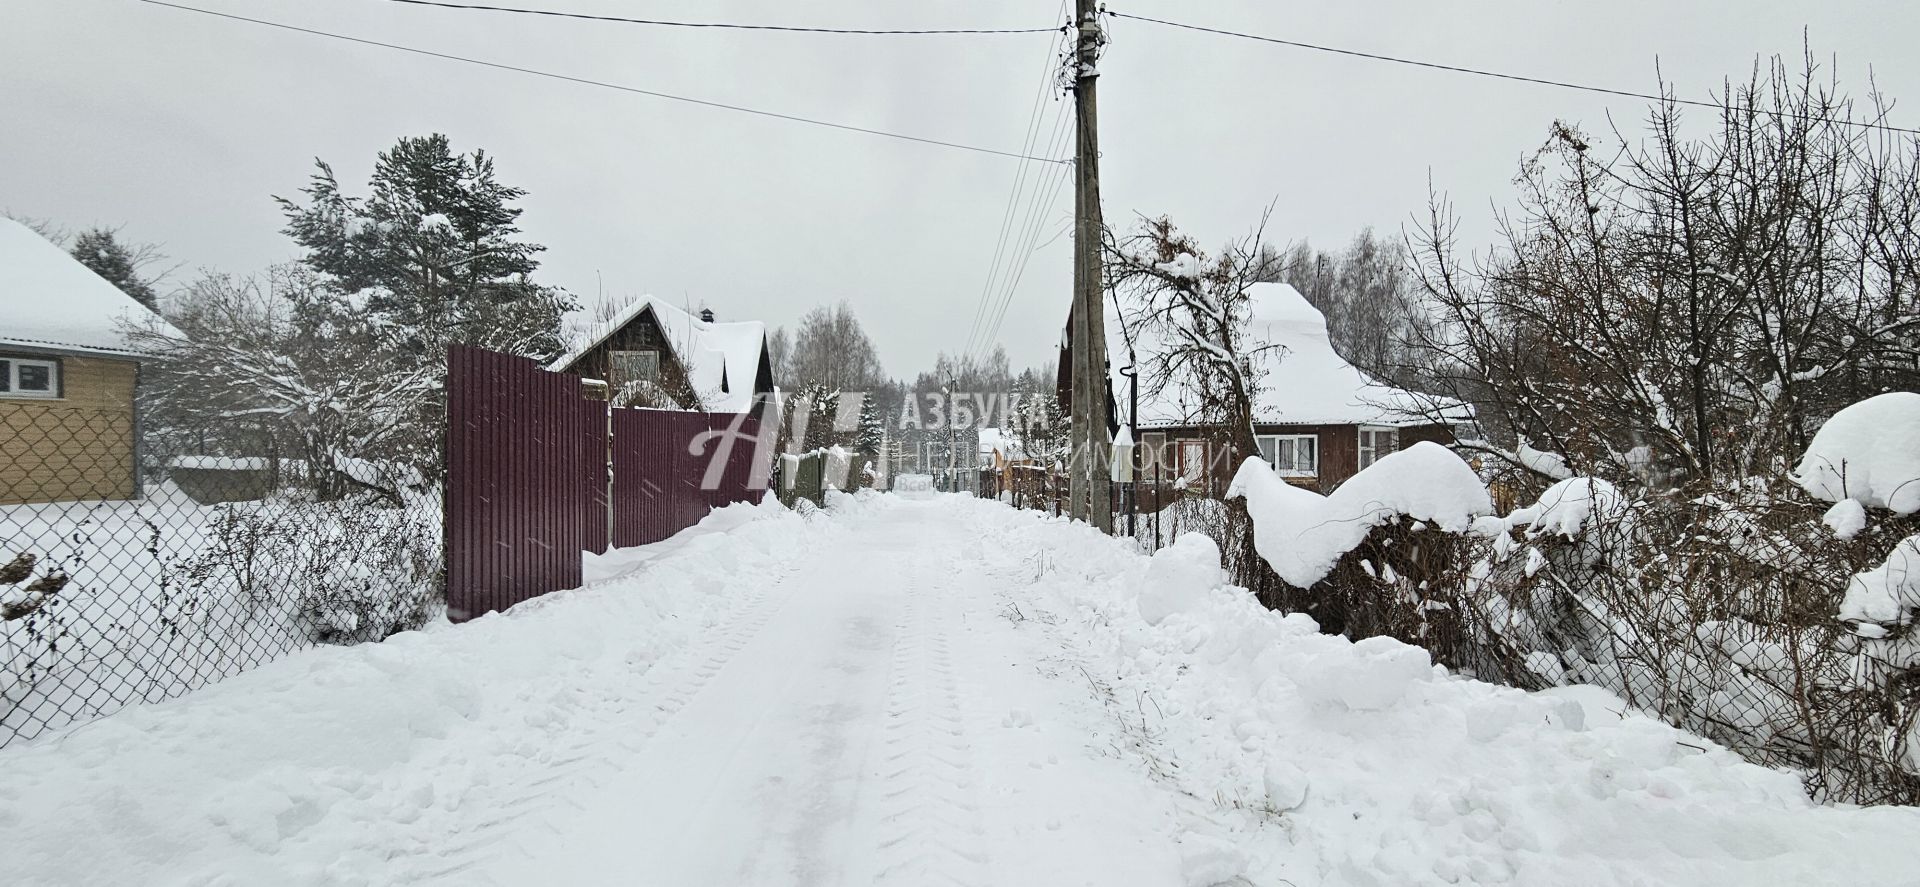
(1315, 760)
(1302, 534)
(363, 764)
(1868, 452)
(1179, 577)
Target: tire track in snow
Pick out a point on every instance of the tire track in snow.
(930, 825)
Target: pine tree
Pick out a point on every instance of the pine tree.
(101, 251)
(433, 249)
(869, 435)
(821, 404)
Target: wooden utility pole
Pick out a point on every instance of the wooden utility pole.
(1092, 488)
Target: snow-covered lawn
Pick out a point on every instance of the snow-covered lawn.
(905, 691)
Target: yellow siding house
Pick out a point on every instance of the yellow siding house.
(68, 417)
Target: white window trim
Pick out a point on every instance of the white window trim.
(1362, 449)
(1313, 471)
(13, 379)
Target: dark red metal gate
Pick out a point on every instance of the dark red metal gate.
(527, 461)
(664, 479)
(526, 481)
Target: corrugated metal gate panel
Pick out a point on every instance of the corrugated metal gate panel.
(526, 471)
(658, 476)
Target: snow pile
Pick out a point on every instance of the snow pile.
(1570, 507)
(1868, 452)
(1314, 760)
(1302, 534)
(1179, 577)
(1882, 600)
(1846, 518)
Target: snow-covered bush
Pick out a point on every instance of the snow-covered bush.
(1776, 625)
(1736, 613)
(1381, 554)
(342, 571)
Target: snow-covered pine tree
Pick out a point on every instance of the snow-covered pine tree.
(433, 248)
(105, 255)
(870, 435)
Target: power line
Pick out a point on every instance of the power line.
(1034, 128)
(604, 85)
(1538, 81)
(1031, 231)
(726, 25)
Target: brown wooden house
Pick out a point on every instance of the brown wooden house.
(68, 419)
(652, 354)
(1317, 419)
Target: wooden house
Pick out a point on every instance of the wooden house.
(1318, 420)
(653, 354)
(68, 375)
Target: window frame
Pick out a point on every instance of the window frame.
(1367, 444)
(56, 375)
(1263, 440)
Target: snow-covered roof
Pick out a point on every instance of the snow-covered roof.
(711, 351)
(995, 440)
(1305, 381)
(49, 301)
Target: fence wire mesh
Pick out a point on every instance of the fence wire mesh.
(135, 567)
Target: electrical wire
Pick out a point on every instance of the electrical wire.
(723, 25)
(1000, 251)
(1538, 81)
(605, 85)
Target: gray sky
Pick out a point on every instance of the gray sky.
(179, 127)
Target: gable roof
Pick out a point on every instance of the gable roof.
(1305, 381)
(722, 360)
(49, 301)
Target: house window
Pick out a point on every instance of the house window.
(20, 377)
(1291, 455)
(1192, 455)
(634, 366)
(1376, 442)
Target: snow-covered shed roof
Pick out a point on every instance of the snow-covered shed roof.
(995, 440)
(712, 352)
(1305, 381)
(51, 302)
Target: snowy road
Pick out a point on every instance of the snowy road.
(902, 692)
(876, 716)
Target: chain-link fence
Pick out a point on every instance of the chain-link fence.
(135, 567)
(1713, 613)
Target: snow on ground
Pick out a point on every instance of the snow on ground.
(905, 691)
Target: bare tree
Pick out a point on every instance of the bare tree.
(1691, 304)
(1197, 307)
(832, 350)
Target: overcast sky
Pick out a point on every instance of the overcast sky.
(180, 126)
